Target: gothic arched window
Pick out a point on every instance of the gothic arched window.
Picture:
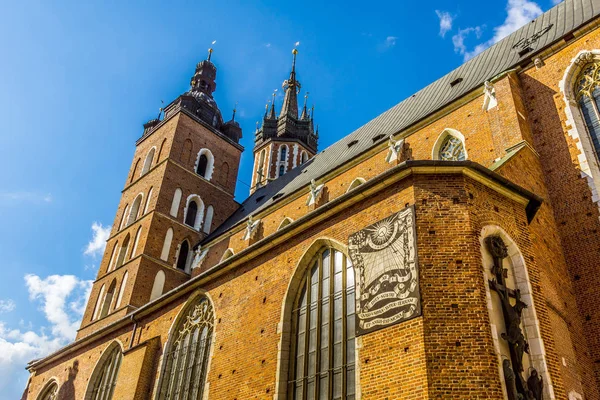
(450, 146)
(148, 161)
(186, 357)
(104, 378)
(49, 392)
(588, 95)
(322, 362)
(283, 153)
(205, 163)
(281, 170)
(108, 299)
(184, 251)
(192, 211)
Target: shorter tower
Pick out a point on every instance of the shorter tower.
(285, 141)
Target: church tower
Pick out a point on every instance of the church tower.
(285, 141)
(180, 186)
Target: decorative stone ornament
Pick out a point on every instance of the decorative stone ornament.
(315, 193)
(395, 149)
(199, 256)
(251, 228)
(538, 62)
(489, 100)
(384, 256)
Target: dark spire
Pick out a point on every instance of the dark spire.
(204, 79)
(291, 86)
(304, 110)
(272, 113)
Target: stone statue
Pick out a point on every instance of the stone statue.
(535, 384)
(511, 383)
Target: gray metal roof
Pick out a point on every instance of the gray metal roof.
(502, 56)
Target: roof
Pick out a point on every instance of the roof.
(545, 30)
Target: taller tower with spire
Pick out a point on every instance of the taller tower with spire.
(180, 186)
(286, 141)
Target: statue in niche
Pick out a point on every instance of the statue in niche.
(517, 388)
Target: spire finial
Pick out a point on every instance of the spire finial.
(304, 109)
(294, 52)
(209, 54)
(234, 110)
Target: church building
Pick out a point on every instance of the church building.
(447, 249)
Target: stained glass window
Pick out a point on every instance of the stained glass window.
(106, 378)
(452, 149)
(186, 360)
(588, 96)
(322, 365)
(50, 392)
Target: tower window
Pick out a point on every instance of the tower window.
(192, 211)
(303, 157)
(108, 299)
(184, 251)
(281, 170)
(283, 153)
(202, 163)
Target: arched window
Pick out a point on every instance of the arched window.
(112, 257)
(136, 240)
(182, 258)
(205, 163)
(186, 153)
(587, 93)
(158, 286)
(160, 151)
(450, 146)
(175, 204)
(122, 289)
(281, 170)
(186, 358)
(283, 155)
(322, 361)
(148, 161)
(208, 220)
(225, 173)
(355, 183)
(303, 157)
(192, 211)
(104, 378)
(286, 221)
(228, 254)
(106, 302)
(135, 209)
(148, 201)
(135, 168)
(123, 252)
(124, 216)
(97, 307)
(50, 391)
(260, 168)
(164, 255)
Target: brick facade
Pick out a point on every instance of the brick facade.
(519, 153)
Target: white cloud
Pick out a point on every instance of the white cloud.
(390, 41)
(268, 45)
(519, 12)
(28, 197)
(63, 300)
(446, 20)
(7, 306)
(98, 242)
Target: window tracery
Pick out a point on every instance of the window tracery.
(452, 149)
(104, 380)
(587, 92)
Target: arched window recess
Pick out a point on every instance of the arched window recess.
(104, 378)
(205, 162)
(450, 146)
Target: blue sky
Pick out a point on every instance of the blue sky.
(78, 80)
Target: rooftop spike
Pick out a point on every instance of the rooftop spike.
(291, 86)
(272, 113)
(304, 110)
(209, 54)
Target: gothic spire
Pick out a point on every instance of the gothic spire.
(291, 86)
(272, 113)
(304, 110)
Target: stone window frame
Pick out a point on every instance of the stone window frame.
(282, 163)
(210, 164)
(52, 384)
(102, 360)
(530, 322)
(576, 126)
(437, 146)
(199, 213)
(194, 298)
(284, 327)
(148, 161)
